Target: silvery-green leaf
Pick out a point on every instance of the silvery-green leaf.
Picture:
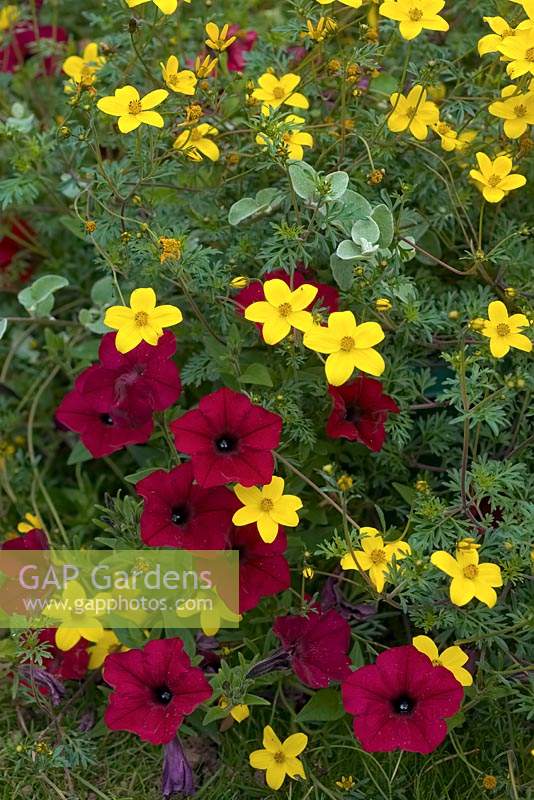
(39, 297)
(339, 182)
(368, 247)
(342, 272)
(3, 327)
(384, 219)
(242, 209)
(365, 229)
(347, 250)
(355, 205)
(303, 179)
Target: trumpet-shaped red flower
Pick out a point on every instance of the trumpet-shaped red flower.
(179, 513)
(263, 569)
(229, 439)
(153, 690)
(359, 411)
(68, 665)
(244, 42)
(401, 701)
(317, 646)
(33, 540)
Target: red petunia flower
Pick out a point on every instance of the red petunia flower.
(10, 246)
(154, 689)
(178, 513)
(263, 569)
(68, 665)
(317, 646)
(105, 427)
(33, 540)
(359, 411)
(146, 371)
(243, 44)
(401, 701)
(229, 439)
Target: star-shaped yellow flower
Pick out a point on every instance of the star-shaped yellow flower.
(375, 556)
(268, 507)
(76, 620)
(516, 109)
(469, 578)
(282, 309)
(274, 91)
(413, 112)
(132, 109)
(279, 758)
(415, 16)
(520, 50)
(218, 39)
(452, 658)
(166, 6)
(196, 144)
(504, 331)
(82, 69)
(495, 178)
(141, 321)
(183, 82)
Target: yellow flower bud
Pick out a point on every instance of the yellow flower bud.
(422, 486)
(383, 304)
(328, 468)
(454, 314)
(241, 282)
(90, 226)
(308, 572)
(477, 324)
(345, 483)
(510, 292)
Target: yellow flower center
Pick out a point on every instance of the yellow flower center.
(411, 111)
(436, 662)
(529, 55)
(415, 14)
(378, 556)
(346, 344)
(278, 93)
(141, 318)
(443, 128)
(494, 180)
(135, 107)
(520, 110)
(266, 504)
(172, 79)
(503, 329)
(471, 571)
(279, 757)
(285, 309)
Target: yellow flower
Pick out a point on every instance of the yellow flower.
(294, 140)
(218, 39)
(453, 658)
(415, 16)
(29, 522)
(413, 112)
(239, 712)
(448, 136)
(375, 556)
(240, 282)
(195, 143)
(493, 178)
(82, 69)
(517, 110)
(351, 3)
(504, 331)
(131, 110)
(107, 643)
(279, 758)
(166, 6)
(204, 66)
(142, 321)
(183, 82)
(8, 16)
(502, 30)
(282, 309)
(520, 50)
(75, 621)
(349, 346)
(346, 783)
(268, 507)
(274, 91)
(325, 26)
(469, 578)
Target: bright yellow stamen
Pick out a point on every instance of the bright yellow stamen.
(471, 571)
(278, 92)
(141, 318)
(266, 504)
(378, 556)
(494, 180)
(503, 329)
(415, 14)
(346, 344)
(285, 309)
(135, 107)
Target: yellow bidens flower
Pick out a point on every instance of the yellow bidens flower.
(82, 69)
(491, 43)
(183, 82)
(268, 507)
(412, 112)
(349, 346)
(452, 658)
(345, 783)
(517, 110)
(166, 6)
(8, 16)
(143, 321)
(450, 139)
(204, 66)
(493, 178)
(274, 91)
(282, 309)
(77, 620)
(504, 331)
(325, 26)
(106, 643)
(218, 39)
(469, 578)
(293, 141)
(195, 142)
(29, 522)
(351, 3)
(239, 712)
(375, 556)
(520, 50)
(279, 758)
(131, 109)
(415, 16)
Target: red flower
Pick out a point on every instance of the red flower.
(263, 569)
(317, 646)
(10, 246)
(400, 702)
(154, 689)
(104, 427)
(229, 439)
(68, 665)
(243, 44)
(147, 372)
(359, 411)
(25, 38)
(178, 513)
(327, 296)
(33, 540)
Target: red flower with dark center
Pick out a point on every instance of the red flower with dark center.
(105, 427)
(327, 296)
(263, 569)
(229, 439)
(147, 372)
(68, 665)
(243, 44)
(359, 411)
(317, 646)
(154, 689)
(178, 513)
(401, 701)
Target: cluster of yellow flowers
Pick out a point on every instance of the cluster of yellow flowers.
(273, 93)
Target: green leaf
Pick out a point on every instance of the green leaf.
(257, 374)
(347, 250)
(39, 297)
(134, 477)
(79, 454)
(384, 219)
(365, 229)
(339, 182)
(3, 326)
(342, 272)
(324, 706)
(407, 493)
(303, 179)
(103, 292)
(429, 242)
(356, 205)
(72, 225)
(241, 210)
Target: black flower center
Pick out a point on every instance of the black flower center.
(163, 695)
(226, 443)
(106, 419)
(180, 515)
(403, 704)
(353, 414)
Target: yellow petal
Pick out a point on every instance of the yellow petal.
(128, 337)
(67, 637)
(260, 759)
(164, 316)
(129, 123)
(143, 300)
(339, 367)
(425, 645)
(246, 515)
(248, 495)
(275, 775)
(117, 316)
(267, 527)
(294, 744)
(273, 490)
(369, 361)
(271, 742)
(462, 590)
(276, 292)
(446, 563)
